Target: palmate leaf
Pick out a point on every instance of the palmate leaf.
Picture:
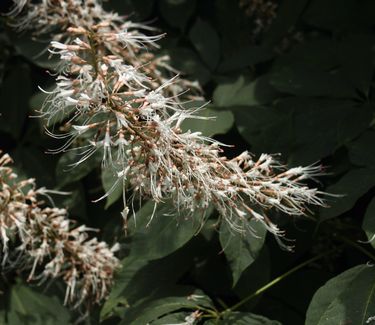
(241, 250)
(349, 298)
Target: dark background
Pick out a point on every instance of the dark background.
(296, 78)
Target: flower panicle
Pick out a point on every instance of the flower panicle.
(119, 102)
(45, 241)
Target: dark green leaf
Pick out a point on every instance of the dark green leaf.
(287, 16)
(150, 311)
(112, 186)
(177, 12)
(362, 150)
(136, 281)
(143, 8)
(255, 276)
(130, 266)
(368, 224)
(190, 64)
(347, 298)
(245, 57)
(175, 318)
(217, 122)
(66, 173)
(352, 186)
(241, 250)
(244, 93)
(32, 308)
(305, 129)
(161, 232)
(206, 42)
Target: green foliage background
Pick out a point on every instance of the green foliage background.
(312, 100)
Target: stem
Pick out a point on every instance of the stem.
(278, 279)
(93, 51)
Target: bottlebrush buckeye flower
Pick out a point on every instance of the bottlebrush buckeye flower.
(118, 103)
(47, 242)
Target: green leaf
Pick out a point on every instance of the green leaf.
(136, 282)
(177, 12)
(129, 267)
(352, 186)
(66, 174)
(217, 122)
(143, 8)
(187, 61)
(33, 163)
(244, 93)
(245, 57)
(206, 42)
(35, 51)
(241, 250)
(152, 310)
(303, 81)
(161, 232)
(348, 298)
(362, 150)
(326, 68)
(175, 318)
(368, 224)
(240, 318)
(112, 186)
(304, 129)
(255, 276)
(32, 308)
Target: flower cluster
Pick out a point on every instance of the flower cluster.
(65, 20)
(263, 13)
(116, 102)
(45, 241)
